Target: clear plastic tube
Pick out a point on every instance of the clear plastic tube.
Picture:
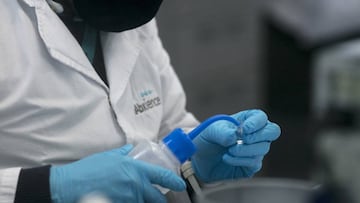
(239, 133)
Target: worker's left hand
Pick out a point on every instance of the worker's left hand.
(218, 155)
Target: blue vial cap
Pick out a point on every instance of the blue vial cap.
(180, 144)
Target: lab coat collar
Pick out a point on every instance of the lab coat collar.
(60, 43)
(63, 47)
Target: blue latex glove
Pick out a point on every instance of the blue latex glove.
(113, 175)
(219, 157)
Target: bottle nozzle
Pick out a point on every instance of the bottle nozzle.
(239, 133)
(211, 120)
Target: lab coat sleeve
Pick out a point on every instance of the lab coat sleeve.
(8, 183)
(175, 114)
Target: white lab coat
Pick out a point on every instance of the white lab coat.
(55, 109)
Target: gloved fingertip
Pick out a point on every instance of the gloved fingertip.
(163, 177)
(227, 137)
(173, 181)
(229, 140)
(254, 120)
(222, 136)
(277, 129)
(180, 185)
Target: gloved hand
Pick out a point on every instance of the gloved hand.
(113, 175)
(218, 155)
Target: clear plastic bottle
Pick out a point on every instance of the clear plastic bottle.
(171, 152)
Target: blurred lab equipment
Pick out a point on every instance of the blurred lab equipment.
(336, 80)
(294, 33)
(336, 102)
(338, 162)
(261, 190)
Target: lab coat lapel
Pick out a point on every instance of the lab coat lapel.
(59, 42)
(121, 51)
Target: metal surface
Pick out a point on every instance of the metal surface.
(260, 190)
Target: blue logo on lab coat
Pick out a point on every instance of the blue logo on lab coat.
(148, 103)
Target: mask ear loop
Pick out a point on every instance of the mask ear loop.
(56, 7)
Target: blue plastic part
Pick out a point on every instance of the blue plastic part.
(209, 121)
(180, 145)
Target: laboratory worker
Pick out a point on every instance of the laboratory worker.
(81, 82)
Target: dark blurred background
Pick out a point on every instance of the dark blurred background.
(296, 60)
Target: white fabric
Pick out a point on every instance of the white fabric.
(55, 109)
(8, 180)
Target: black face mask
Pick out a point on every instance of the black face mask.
(116, 15)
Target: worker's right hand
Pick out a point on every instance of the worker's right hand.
(113, 175)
